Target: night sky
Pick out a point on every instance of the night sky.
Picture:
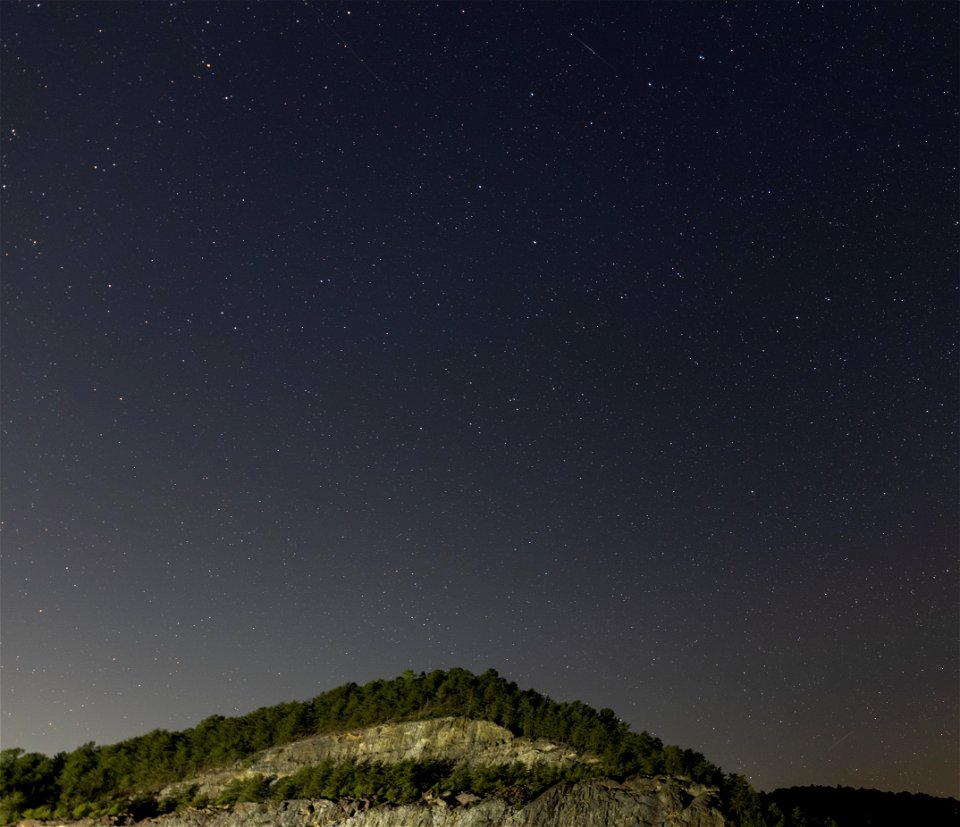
(610, 346)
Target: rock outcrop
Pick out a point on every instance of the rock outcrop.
(596, 802)
(638, 802)
(460, 740)
(451, 739)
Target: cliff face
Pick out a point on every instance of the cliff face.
(451, 739)
(638, 802)
(598, 802)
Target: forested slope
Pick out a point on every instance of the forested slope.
(127, 779)
(124, 778)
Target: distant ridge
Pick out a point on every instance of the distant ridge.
(849, 807)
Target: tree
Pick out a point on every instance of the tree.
(12, 807)
(27, 780)
(82, 780)
(742, 801)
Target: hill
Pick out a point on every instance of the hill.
(441, 748)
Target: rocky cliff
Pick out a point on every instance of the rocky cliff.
(596, 802)
(637, 802)
(460, 740)
(451, 739)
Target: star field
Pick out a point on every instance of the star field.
(610, 346)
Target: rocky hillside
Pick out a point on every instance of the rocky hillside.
(439, 748)
(458, 740)
(637, 802)
(594, 802)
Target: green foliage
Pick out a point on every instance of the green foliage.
(742, 802)
(121, 779)
(406, 782)
(28, 781)
(254, 788)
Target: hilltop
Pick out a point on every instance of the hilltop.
(445, 748)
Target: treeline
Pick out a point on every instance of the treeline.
(848, 807)
(109, 780)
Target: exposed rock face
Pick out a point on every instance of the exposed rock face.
(451, 739)
(598, 802)
(638, 802)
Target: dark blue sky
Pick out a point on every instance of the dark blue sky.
(612, 346)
